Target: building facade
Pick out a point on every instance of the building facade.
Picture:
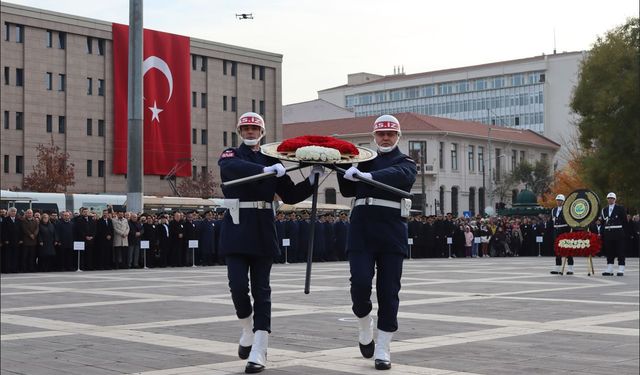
(58, 87)
(530, 94)
(460, 162)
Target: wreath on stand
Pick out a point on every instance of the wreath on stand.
(578, 244)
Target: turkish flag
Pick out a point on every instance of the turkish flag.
(166, 103)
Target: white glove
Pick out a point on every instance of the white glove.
(350, 174)
(317, 170)
(277, 168)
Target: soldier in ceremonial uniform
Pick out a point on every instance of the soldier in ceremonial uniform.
(615, 219)
(249, 240)
(560, 226)
(378, 238)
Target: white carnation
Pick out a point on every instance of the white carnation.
(318, 153)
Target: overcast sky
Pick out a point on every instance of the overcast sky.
(324, 40)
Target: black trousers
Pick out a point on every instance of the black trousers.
(242, 269)
(363, 267)
(614, 246)
(559, 261)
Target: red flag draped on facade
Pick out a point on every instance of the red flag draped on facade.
(166, 104)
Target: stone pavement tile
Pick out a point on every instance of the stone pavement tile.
(626, 324)
(58, 298)
(9, 329)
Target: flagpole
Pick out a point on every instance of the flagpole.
(135, 114)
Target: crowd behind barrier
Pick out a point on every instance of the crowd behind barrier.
(36, 241)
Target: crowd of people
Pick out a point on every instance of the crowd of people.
(43, 241)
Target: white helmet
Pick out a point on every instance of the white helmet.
(560, 197)
(386, 123)
(611, 195)
(251, 118)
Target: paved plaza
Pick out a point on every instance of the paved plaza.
(460, 316)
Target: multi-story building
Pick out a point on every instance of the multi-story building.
(460, 162)
(531, 93)
(58, 86)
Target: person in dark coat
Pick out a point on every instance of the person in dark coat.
(319, 250)
(11, 241)
(64, 232)
(292, 229)
(249, 240)
(377, 239)
(329, 239)
(85, 230)
(207, 240)
(104, 241)
(280, 231)
(340, 229)
(149, 233)
(175, 257)
(304, 228)
(134, 237)
(46, 240)
(30, 228)
(560, 226)
(191, 232)
(615, 238)
(164, 242)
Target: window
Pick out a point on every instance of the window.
(49, 124)
(481, 159)
(89, 45)
(224, 102)
(454, 156)
(194, 134)
(62, 40)
(454, 201)
(514, 159)
(418, 151)
(6, 75)
(203, 136)
(48, 81)
(522, 156)
(48, 39)
(5, 119)
(101, 87)
(89, 127)
(194, 172)
(19, 164)
(203, 67)
(19, 77)
(498, 164)
(234, 68)
(441, 201)
(203, 171)
(203, 100)
(19, 33)
(441, 155)
(62, 82)
(224, 139)
(100, 128)
(224, 67)
(101, 47)
(262, 73)
(6, 164)
(330, 196)
(544, 156)
(262, 107)
(253, 105)
(472, 200)
(194, 99)
(62, 124)
(253, 72)
(89, 168)
(194, 62)
(89, 86)
(234, 104)
(234, 139)
(100, 168)
(7, 31)
(472, 162)
(19, 121)
(481, 199)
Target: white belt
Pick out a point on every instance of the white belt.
(257, 204)
(377, 202)
(613, 227)
(561, 225)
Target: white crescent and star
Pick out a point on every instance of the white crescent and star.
(157, 63)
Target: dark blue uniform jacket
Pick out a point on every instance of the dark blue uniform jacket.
(256, 232)
(375, 228)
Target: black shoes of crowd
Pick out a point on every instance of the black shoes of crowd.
(611, 274)
(381, 364)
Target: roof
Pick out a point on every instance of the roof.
(415, 123)
(401, 77)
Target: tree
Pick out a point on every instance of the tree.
(52, 172)
(202, 186)
(607, 99)
(536, 177)
(565, 181)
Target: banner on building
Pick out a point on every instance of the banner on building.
(166, 102)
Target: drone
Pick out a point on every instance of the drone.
(244, 16)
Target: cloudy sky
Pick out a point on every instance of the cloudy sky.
(324, 40)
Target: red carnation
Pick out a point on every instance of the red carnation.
(292, 144)
(595, 244)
